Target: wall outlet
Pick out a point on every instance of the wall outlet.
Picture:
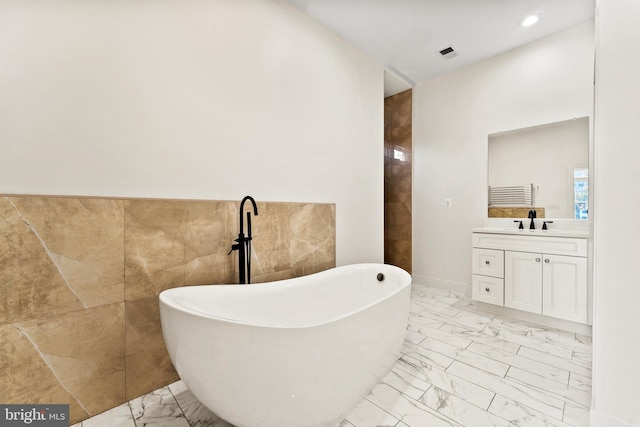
(447, 203)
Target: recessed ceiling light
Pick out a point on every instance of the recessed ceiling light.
(530, 20)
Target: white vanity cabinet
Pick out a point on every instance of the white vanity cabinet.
(535, 273)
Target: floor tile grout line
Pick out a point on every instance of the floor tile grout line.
(508, 381)
(550, 393)
(460, 360)
(510, 365)
(379, 407)
(532, 346)
(411, 399)
(528, 408)
(568, 385)
(133, 418)
(179, 405)
(490, 403)
(549, 364)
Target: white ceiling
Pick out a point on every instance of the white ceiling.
(405, 36)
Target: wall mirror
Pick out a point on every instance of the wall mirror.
(544, 167)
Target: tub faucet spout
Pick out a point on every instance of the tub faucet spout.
(243, 245)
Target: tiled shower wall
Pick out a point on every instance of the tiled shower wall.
(80, 278)
(397, 179)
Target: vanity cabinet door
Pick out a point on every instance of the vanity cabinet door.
(565, 287)
(523, 281)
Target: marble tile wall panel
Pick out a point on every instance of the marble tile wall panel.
(26, 378)
(290, 240)
(83, 237)
(148, 365)
(84, 350)
(313, 238)
(172, 243)
(31, 284)
(207, 243)
(80, 279)
(397, 179)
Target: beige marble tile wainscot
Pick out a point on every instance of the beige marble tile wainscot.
(80, 277)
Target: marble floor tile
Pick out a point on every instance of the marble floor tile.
(582, 357)
(576, 415)
(420, 321)
(580, 382)
(469, 321)
(584, 339)
(467, 390)
(542, 369)
(438, 334)
(198, 415)
(520, 415)
(181, 393)
(120, 416)
(479, 337)
(530, 339)
(459, 410)
(562, 391)
(430, 357)
(406, 383)
(413, 337)
(409, 411)
(366, 414)
(546, 403)
(460, 367)
(553, 360)
(442, 309)
(475, 359)
(158, 409)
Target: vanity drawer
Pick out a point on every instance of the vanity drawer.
(487, 289)
(488, 262)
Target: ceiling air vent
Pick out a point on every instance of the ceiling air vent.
(448, 52)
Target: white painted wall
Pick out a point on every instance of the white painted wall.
(195, 99)
(617, 153)
(547, 81)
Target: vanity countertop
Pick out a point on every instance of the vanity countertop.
(538, 232)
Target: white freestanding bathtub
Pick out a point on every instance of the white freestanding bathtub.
(293, 353)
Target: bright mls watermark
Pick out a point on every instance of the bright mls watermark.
(34, 415)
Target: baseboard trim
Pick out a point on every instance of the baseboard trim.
(464, 288)
(598, 419)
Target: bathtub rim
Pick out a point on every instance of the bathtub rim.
(167, 298)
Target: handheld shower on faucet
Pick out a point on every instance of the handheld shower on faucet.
(244, 243)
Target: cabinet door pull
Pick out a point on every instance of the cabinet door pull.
(487, 262)
(537, 259)
(547, 260)
(487, 289)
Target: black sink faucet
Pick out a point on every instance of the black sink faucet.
(532, 215)
(244, 244)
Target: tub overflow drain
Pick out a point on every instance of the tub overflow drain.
(380, 277)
